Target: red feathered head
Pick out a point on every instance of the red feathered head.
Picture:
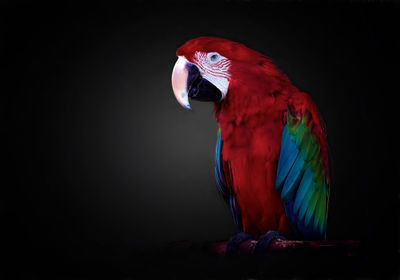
(208, 68)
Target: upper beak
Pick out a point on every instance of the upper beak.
(188, 82)
(179, 81)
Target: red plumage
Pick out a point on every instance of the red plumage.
(251, 118)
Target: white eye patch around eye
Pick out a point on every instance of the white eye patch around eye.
(216, 72)
(221, 83)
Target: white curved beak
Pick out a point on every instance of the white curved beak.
(179, 82)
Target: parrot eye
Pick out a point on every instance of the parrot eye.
(213, 57)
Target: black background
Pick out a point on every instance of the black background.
(104, 168)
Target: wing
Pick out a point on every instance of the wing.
(221, 171)
(302, 176)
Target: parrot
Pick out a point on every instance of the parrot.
(271, 155)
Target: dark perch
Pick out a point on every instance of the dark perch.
(246, 248)
(323, 258)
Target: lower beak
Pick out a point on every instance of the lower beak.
(188, 82)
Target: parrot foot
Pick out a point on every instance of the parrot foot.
(264, 241)
(233, 244)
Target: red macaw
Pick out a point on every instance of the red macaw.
(271, 154)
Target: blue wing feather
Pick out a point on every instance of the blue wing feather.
(303, 189)
(218, 170)
(222, 185)
(292, 181)
(286, 159)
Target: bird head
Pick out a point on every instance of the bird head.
(208, 68)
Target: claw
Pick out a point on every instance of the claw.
(233, 243)
(264, 241)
